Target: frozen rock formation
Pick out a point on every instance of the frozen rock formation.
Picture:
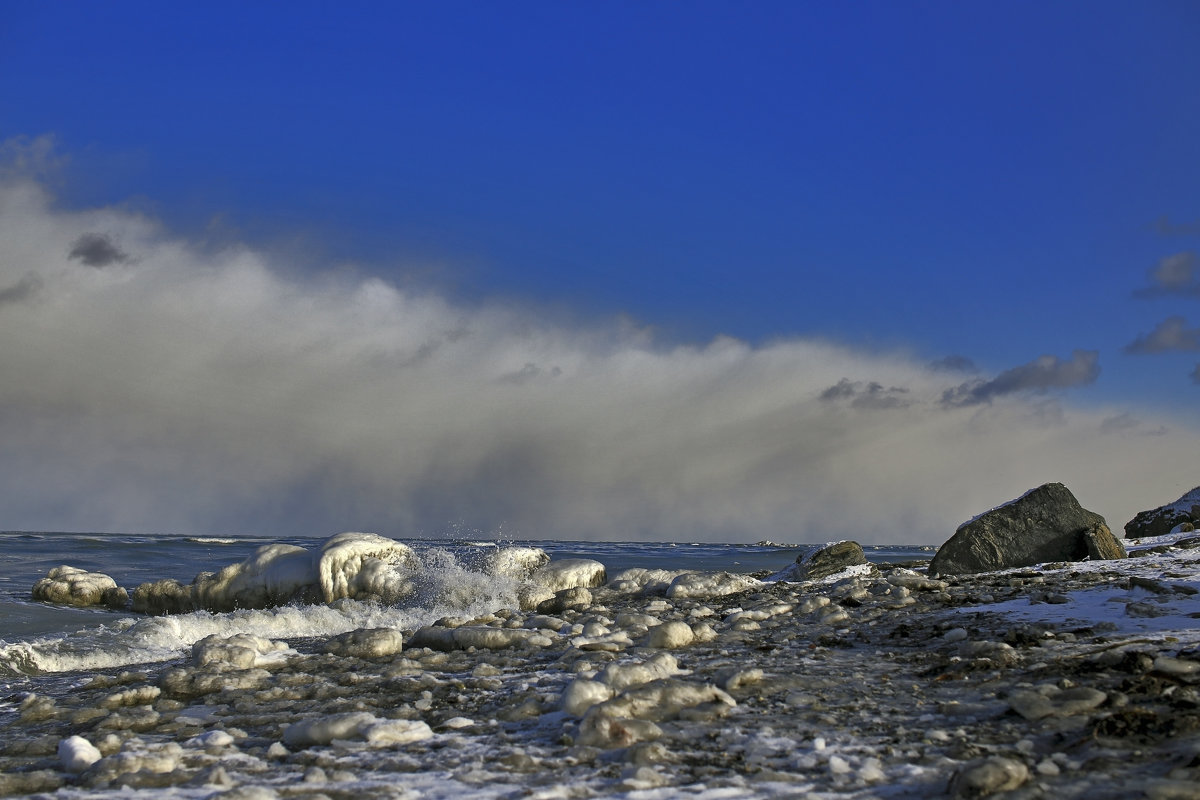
(1046, 524)
(77, 587)
(568, 573)
(360, 565)
(824, 561)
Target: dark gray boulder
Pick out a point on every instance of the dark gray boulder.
(1045, 524)
(825, 561)
(1161, 520)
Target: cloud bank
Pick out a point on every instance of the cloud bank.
(1171, 334)
(157, 386)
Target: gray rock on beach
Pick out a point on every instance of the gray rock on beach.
(818, 563)
(1161, 520)
(1045, 524)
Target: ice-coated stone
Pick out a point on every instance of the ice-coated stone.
(1033, 705)
(638, 580)
(578, 598)
(76, 754)
(705, 585)
(166, 596)
(273, 575)
(363, 565)
(241, 650)
(987, 776)
(77, 587)
(366, 643)
(670, 635)
(568, 573)
(910, 579)
(615, 722)
(517, 563)
(826, 560)
(354, 725)
(621, 676)
(581, 694)
(480, 637)
(1045, 524)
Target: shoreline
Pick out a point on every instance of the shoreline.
(1073, 679)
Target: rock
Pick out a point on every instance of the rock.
(576, 599)
(984, 777)
(670, 635)
(1102, 545)
(1160, 521)
(77, 587)
(1045, 524)
(706, 585)
(832, 558)
(366, 643)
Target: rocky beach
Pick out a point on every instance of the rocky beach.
(1017, 675)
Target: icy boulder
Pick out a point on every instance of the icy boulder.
(77, 587)
(703, 585)
(166, 596)
(274, 575)
(824, 561)
(568, 573)
(362, 565)
(76, 754)
(241, 651)
(517, 563)
(1164, 519)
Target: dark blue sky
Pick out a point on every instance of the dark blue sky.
(1001, 182)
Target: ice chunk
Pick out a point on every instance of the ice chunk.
(76, 754)
(355, 725)
(77, 587)
(480, 637)
(568, 573)
(366, 643)
(517, 563)
(273, 575)
(703, 585)
(622, 676)
(359, 565)
(241, 650)
(670, 635)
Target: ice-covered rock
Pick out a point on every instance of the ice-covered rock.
(670, 635)
(621, 676)
(576, 599)
(704, 585)
(987, 776)
(360, 565)
(352, 726)
(241, 650)
(1161, 520)
(480, 637)
(76, 754)
(517, 563)
(366, 643)
(273, 575)
(823, 561)
(166, 596)
(639, 580)
(78, 587)
(621, 720)
(1045, 524)
(568, 573)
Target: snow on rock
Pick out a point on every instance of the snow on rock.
(76, 754)
(77, 587)
(1164, 519)
(360, 565)
(166, 596)
(568, 573)
(366, 643)
(241, 650)
(354, 726)
(703, 585)
(623, 676)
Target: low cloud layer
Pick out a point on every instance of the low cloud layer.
(158, 386)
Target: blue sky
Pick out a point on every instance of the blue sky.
(1001, 183)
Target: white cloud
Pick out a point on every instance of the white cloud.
(195, 391)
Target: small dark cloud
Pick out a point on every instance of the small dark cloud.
(953, 363)
(21, 290)
(528, 373)
(871, 395)
(1171, 334)
(97, 250)
(1164, 227)
(1177, 274)
(1040, 375)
